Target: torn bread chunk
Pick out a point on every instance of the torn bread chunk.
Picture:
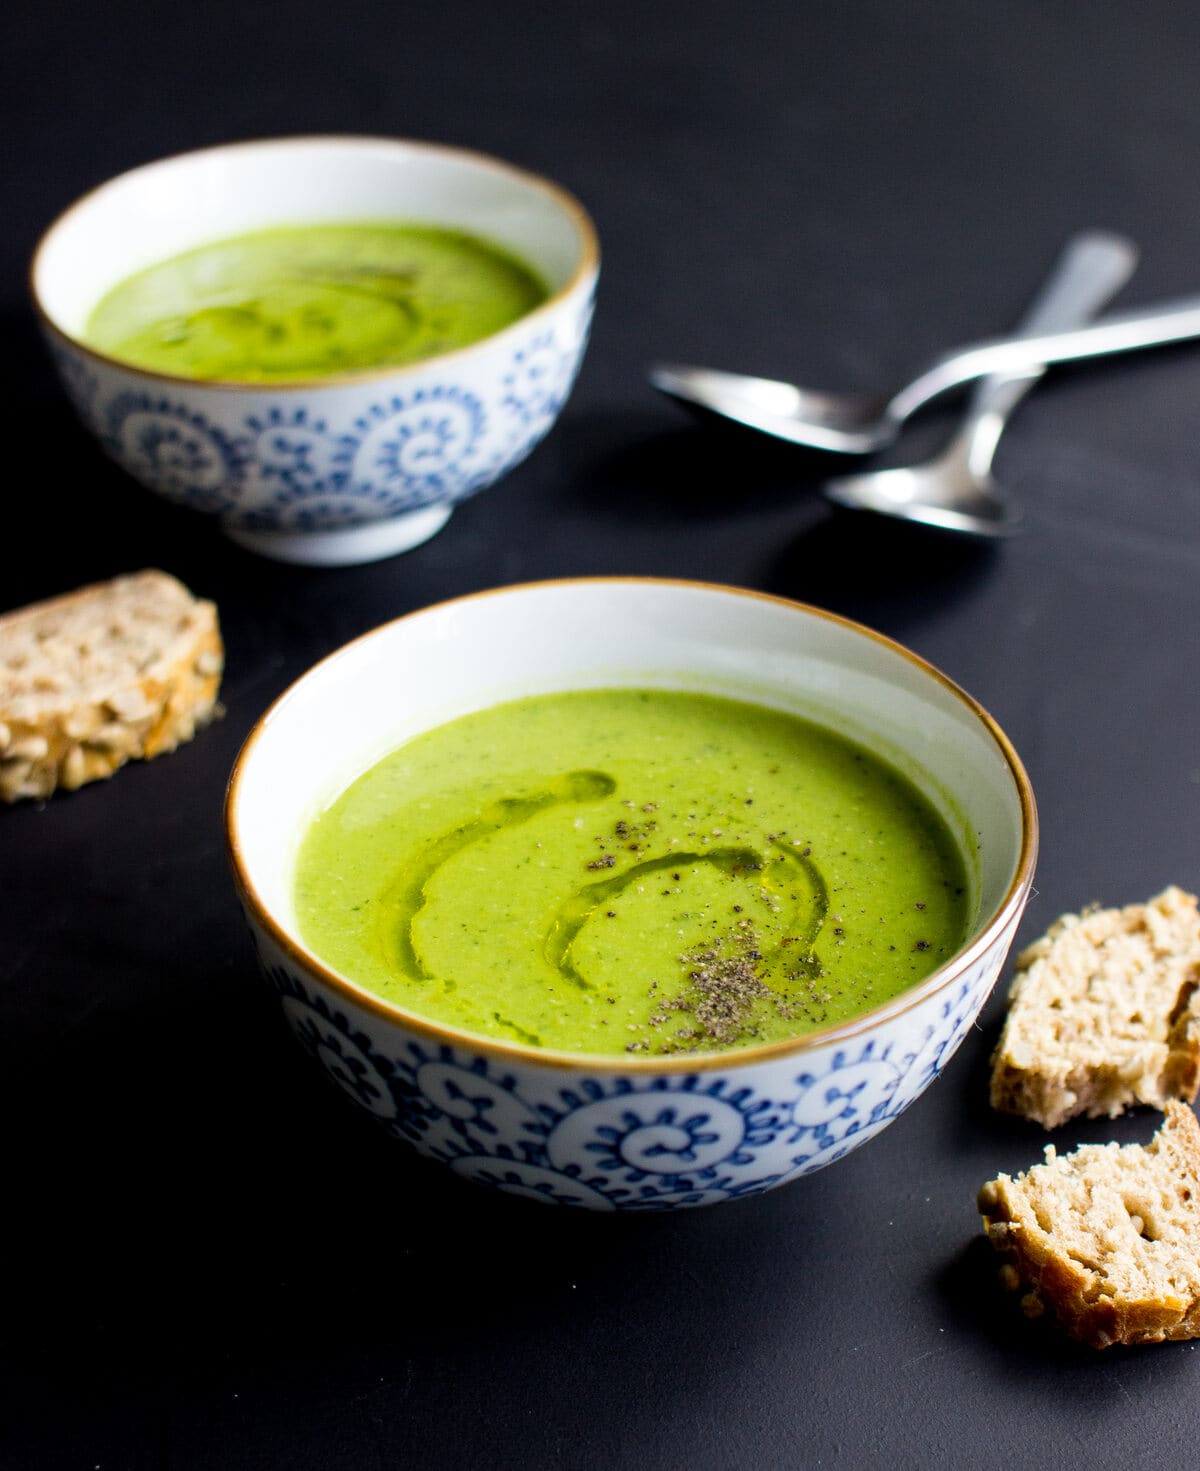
(1107, 1238)
(1104, 1013)
(111, 673)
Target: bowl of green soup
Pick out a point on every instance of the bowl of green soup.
(630, 894)
(326, 342)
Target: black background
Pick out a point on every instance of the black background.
(209, 1260)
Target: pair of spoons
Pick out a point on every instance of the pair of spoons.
(956, 490)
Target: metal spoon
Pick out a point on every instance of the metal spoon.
(955, 490)
(850, 424)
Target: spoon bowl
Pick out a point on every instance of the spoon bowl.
(945, 493)
(842, 423)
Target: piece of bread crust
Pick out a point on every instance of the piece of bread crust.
(1107, 1238)
(1104, 1013)
(114, 672)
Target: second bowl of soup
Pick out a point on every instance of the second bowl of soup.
(326, 343)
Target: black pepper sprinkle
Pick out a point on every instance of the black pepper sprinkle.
(606, 862)
(610, 914)
(921, 945)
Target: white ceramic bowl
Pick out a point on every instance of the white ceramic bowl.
(342, 469)
(638, 1131)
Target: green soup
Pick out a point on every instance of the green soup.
(304, 301)
(632, 871)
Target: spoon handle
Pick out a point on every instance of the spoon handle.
(1174, 321)
(1091, 269)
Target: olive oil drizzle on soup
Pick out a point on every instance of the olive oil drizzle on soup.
(305, 301)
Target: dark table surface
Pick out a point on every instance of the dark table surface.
(209, 1259)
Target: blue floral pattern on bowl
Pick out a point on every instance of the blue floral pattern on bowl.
(296, 461)
(79, 380)
(616, 1141)
(415, 451)
(177, 452)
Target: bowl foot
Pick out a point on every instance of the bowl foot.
(347, 546)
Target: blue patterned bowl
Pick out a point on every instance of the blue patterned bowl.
(345, 469)
(635, 1132)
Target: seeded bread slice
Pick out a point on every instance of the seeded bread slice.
(1107, 1238)
(113, 672)
(1104, 1013)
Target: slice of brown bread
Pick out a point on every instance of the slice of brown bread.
(1104, 1013)
(1108, 1237)
(112, 672)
